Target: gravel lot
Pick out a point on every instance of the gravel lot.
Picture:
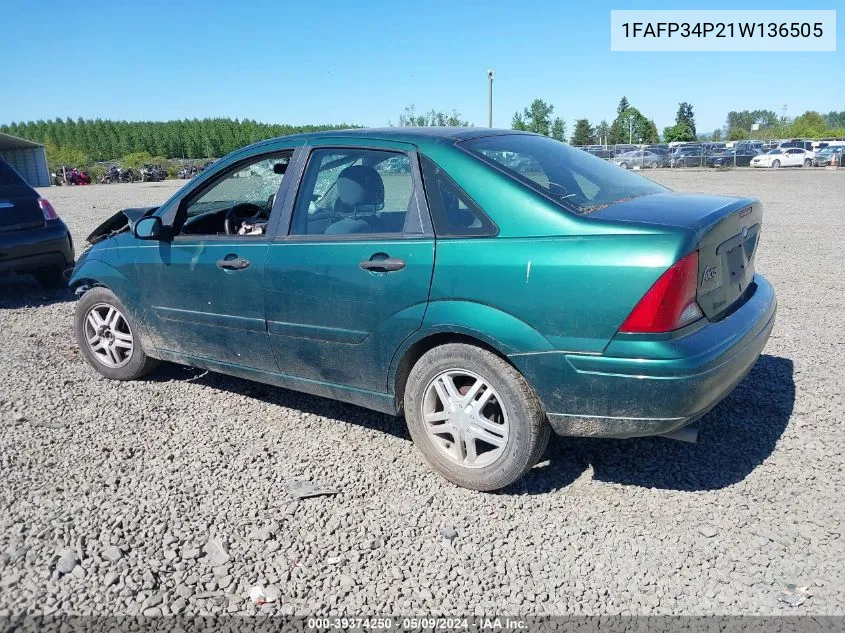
(168, 495)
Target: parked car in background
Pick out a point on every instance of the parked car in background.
(750, 147)
(799, 143)
(663, 151)
(116, 174)
(731, 158)
(33, 239)
(689, 156)
(638, 158)
(600, 151)
(489, 306)
(784, 157)
(829, 156)
(395, 165)
(152, 173)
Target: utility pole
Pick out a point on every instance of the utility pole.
(491, 74)
(630, 130)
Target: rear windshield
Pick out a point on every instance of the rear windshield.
(9, 176)
(573, 178)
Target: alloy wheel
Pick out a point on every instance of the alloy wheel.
(464, 418)
(108, 335)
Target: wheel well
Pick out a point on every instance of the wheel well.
(415, 352)
(81, 286)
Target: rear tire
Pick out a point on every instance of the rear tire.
(110, 345)
(50, 277)
(453, 437)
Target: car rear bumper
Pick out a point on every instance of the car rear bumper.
(640, 386)
(27, 251)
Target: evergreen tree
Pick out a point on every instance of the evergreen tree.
(558, 131)
(583, 133)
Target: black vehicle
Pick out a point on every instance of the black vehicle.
(151, 173)
(116, 174)
(32, 237)
(663, 151)
(187, 171)
(730, 158)
(799, 143)
(687, 156)
(601, 151)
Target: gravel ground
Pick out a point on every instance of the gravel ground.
(168, 495)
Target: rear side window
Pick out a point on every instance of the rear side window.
(453, 212)
(9, 177)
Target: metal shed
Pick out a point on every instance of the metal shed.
(27, 157)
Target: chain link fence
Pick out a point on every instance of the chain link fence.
(765, 154)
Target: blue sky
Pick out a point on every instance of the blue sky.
(356, 62)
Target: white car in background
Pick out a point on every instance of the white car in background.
(784, 157)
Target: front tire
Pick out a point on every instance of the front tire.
(775, 164)
(808, 162)
(475, 419)
(107, 337)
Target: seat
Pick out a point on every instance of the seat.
(360, 194)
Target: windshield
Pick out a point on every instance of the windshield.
(775, 151)
(577, 180)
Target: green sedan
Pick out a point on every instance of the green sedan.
(492, 286)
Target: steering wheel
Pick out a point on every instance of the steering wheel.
(240, 213)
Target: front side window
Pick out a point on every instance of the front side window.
(577, 180)
(239, 203)
(353, 192)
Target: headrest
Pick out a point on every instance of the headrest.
(360, 186)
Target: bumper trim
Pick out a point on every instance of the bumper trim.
(627, 427)
(31, 263)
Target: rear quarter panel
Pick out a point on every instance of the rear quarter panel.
(559, 293)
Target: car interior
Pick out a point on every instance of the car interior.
(356, 199)
(235, 204)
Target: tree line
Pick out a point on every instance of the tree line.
(632, 126)
(740, 125)
(629, 126)
(82, 141)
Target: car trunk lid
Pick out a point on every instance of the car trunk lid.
(19, 209)
(726, 232)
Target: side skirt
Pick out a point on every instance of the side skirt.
(382, 402)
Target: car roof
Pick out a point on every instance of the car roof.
(414, 135)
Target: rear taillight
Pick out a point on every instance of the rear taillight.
(670, 303)
(47, 209)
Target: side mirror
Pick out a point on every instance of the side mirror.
(151, 228)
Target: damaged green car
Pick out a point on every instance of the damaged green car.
(493, 286)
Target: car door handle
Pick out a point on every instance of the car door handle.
(232, 262)
(387, 265)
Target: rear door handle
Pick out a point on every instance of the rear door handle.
(232, 262)
(387, 265)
